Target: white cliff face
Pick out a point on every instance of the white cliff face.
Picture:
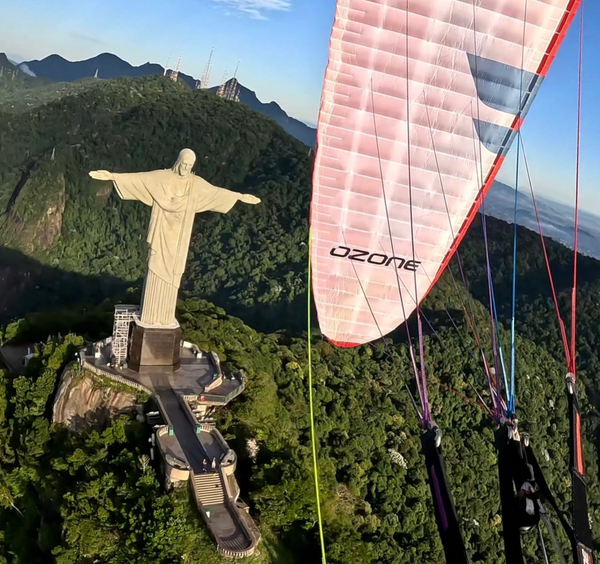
(82, 403)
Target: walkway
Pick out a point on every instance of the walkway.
(208, 488)
(182, 428)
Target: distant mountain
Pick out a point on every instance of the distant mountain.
(293, 126)
(556, 218)
(5, 62)
(57, 68)
(108, 65)
(11, 76)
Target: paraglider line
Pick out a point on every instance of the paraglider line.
(563, 331)
(494, 326)
(313, 435)
(421, 385)
(389, 352)
(460, 336)
(543, 544)
(427, 412)
(494, 329)
(511, 395)
(470, 318)
(577, 175)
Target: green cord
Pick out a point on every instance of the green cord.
(313, 435)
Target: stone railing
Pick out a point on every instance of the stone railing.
(169, 458)
(229, 458)
(216, 361)
(115, 377)
(251, 533)
(215, 399)
(183, 401)
(231, 487)
(162, 410)
(236, 514)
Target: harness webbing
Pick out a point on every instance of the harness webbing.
(511, 472)
(582, 540)
(445, 512)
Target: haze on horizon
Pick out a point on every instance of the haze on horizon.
(283, 47)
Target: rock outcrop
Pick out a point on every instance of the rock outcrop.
(82, 402)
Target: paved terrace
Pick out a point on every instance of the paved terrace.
(195, 376)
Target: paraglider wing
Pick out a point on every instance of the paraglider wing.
(397, 184)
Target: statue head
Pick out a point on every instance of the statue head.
(184, 163)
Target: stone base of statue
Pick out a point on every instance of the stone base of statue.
(154, 346)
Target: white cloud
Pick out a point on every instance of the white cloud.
(256, 9)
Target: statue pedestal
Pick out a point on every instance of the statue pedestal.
(154, 346)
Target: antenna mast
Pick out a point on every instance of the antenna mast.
(206, 76)
(221, 90)
(175, 73)
(230, 89)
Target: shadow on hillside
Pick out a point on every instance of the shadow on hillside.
(64, 301)
(70, 301)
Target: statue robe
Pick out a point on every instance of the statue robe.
(175, 201)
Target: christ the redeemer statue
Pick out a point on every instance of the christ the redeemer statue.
(176, 196)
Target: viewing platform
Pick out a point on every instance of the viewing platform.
(192, 450)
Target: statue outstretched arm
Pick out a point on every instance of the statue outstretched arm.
(221, 200)
(130, 185)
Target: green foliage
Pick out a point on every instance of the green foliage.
(105, 382)
(20, 93)
(92, 497)
(376, 510)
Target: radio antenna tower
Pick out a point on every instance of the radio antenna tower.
(237, 68)
(175, 73)
(206, 75)
(221, 90)
(230, 89)
(167, 65)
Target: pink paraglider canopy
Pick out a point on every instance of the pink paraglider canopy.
(420, 104)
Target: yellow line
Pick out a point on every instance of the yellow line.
(313, 436)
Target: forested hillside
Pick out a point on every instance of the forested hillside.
(51, 210)
(94, 498)
(88, 497)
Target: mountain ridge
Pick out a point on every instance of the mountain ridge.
(5, 61)
(109, 65)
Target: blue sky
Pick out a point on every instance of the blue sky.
(282, 45)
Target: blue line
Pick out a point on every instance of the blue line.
(493, 298)
(511, 396)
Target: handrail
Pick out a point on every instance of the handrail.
(116, 377)
(222, 400)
